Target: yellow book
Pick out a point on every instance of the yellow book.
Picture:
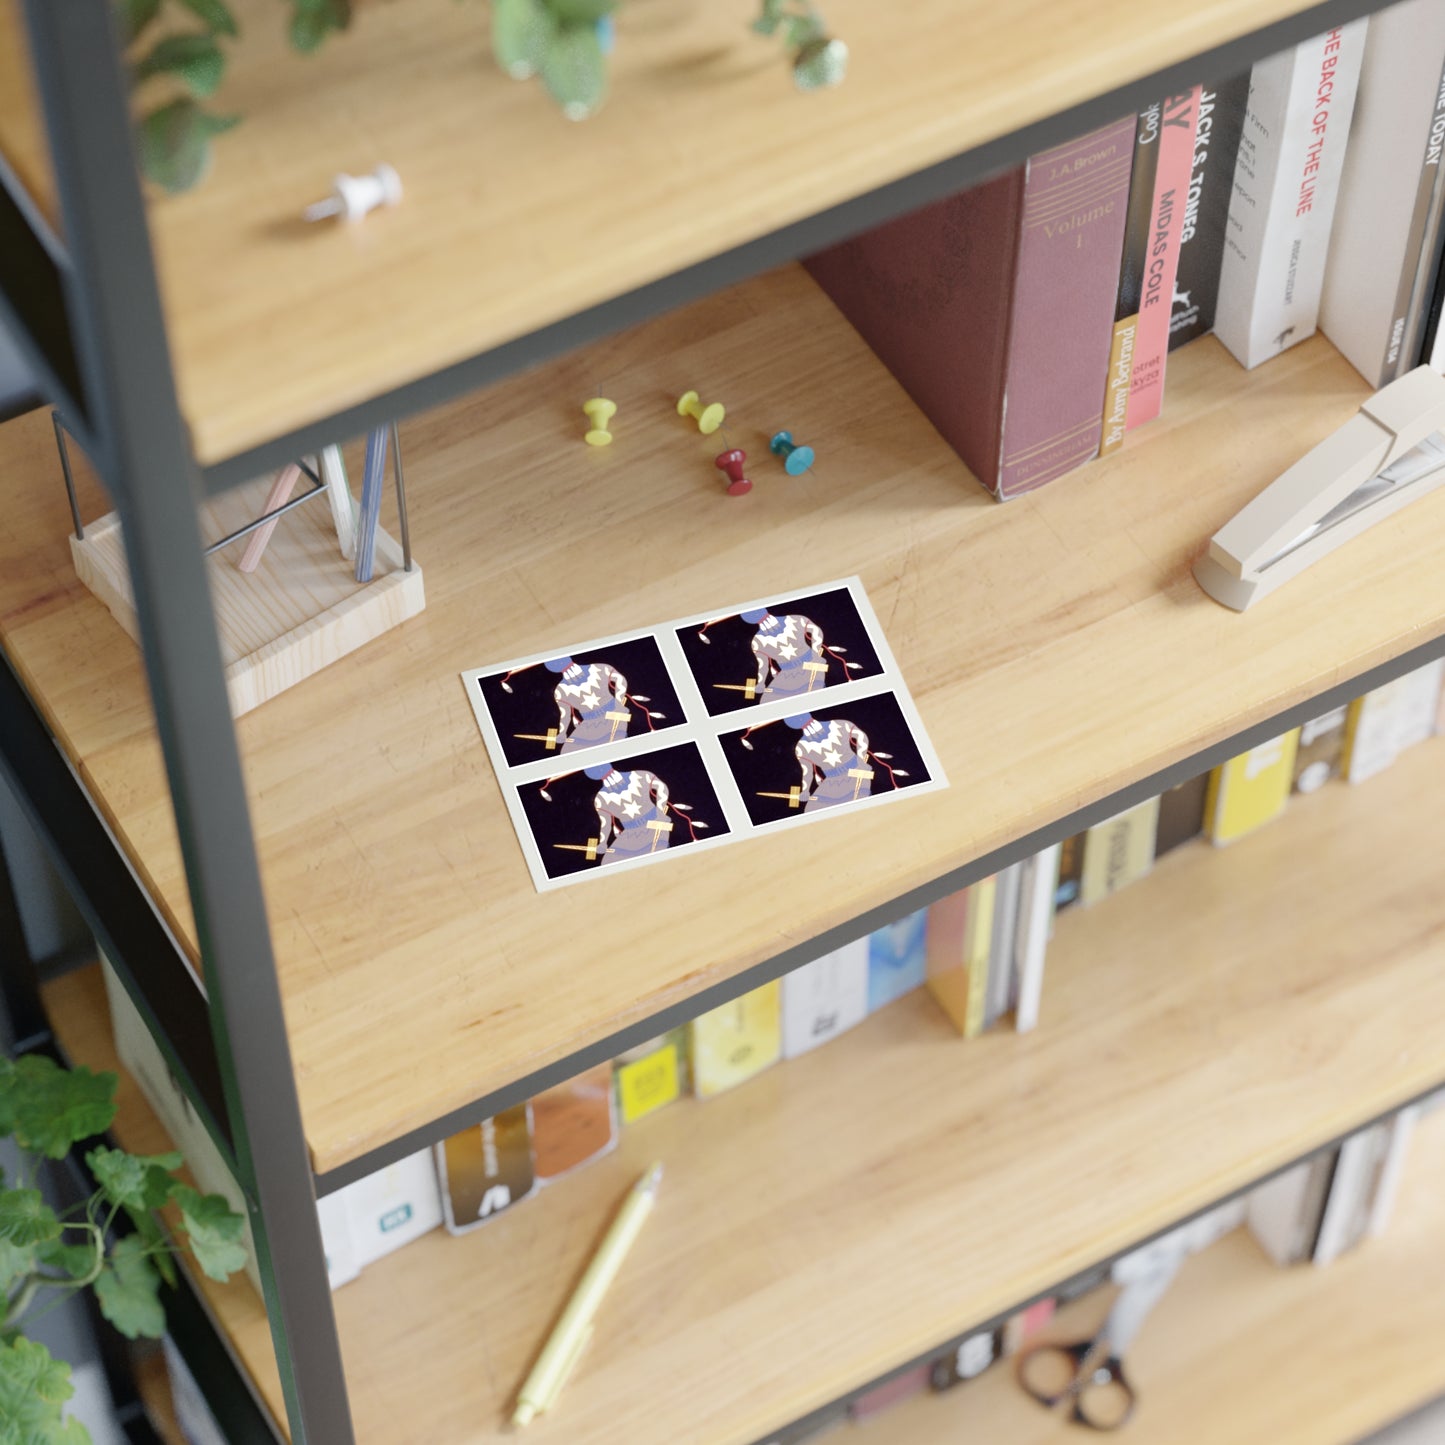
(650, 1076)
(1251, 790)
(945, 940)
(734, 1042)
(977, 947)
(1118, 851)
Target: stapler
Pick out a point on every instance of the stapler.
(1381, 459)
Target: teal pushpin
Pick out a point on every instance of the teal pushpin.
(796, 460)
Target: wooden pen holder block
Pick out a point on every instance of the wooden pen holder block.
(300, 610)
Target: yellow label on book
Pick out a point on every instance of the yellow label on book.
(1118, 851)
(736, 1041)
(1116, 394)
(648, 1083)
(978, 946)
(1251, 790)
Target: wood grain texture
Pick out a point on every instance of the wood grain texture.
(848, 1210)
(514, 217)
(297, 611)
(22, 128)
(1057, 648)
(1242, 1351)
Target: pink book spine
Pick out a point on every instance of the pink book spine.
(1171, 191)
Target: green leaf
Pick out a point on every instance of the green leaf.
(522, 31)
(74, 1261)
(175, 145)
(214, 1229)
(804, 30)
(156, 1241)
(215, 15)
(53, 1108)
(820, 63)
(769, 18)
(133, 1180)
(16, 1261)
(574, 70)
(33, 1389)
(128, 1290)
(135, 15)
(313, 20)
(195, 60)
(581, 12)
(25, 1218)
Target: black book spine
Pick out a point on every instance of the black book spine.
(1206, 211)
(1139, 219)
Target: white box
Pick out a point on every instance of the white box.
(825, 998)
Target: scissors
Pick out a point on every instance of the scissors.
(1089, 1374)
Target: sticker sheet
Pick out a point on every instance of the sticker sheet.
(767, 715)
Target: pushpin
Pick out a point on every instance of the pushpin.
(709, 418)
(731, 462)
(353, 196)
(599, 411)
(796, 460)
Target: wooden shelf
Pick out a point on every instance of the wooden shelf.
(22, 130)
(1242, 1351)
(515, 218)
(1056, 653)
(847, 1211)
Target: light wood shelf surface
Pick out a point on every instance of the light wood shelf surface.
(22, 129)
(847, 1211)
(1240, 1350)
(514, 217)
(1057, 648)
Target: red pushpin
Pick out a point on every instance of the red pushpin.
(731, 462)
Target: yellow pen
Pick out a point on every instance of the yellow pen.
(573, 1330)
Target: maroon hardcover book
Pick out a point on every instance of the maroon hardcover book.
(995, 307)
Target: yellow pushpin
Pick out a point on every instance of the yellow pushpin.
(709, 418)
(599, 412)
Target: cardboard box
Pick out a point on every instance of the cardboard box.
(737, 1040)
(483, 1171)
(573, 1124)
(825, 998)
(651, 1076)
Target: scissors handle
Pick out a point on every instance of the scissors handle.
(1087, 1373)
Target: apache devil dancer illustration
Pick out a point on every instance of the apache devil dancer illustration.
(593, 706)
(633, 811)
(791, 655)
(835, 762)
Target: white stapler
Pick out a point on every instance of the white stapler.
(1390, 453)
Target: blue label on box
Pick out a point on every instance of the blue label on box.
(395, 1218)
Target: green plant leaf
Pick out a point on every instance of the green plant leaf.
(195, 60)
(522, 30)
(804, 30)
(128, 1290)
(820, 63)
(157, 1242)
(769, 17)
(215, 15)
(581, 12)
(135, 15)
(33, 1390)
(175, 145)
(51, 1108)
(574, 70)
(74, 1261)
(16, 1261)
(134, 1180)
(214, 1229)
(25, 1218)
(313, 20)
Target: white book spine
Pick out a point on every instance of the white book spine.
(1286, 182)
(1036, 917)
(1352, 1174)
(825, 998)
(1002, 945)
(1387, 1187)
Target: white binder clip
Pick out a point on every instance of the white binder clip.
(1390, 453)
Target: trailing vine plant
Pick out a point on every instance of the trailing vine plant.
(45, 1256)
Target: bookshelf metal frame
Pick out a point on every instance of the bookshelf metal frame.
(86, 310)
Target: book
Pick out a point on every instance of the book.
(1181, 814)
(1251, 790)
(960, 938)
(892, 1392)
(1071, 870)
(1385, 721)
(825, 998)
(1023, 1324)
(1342, 1223)
(1388, 189)
(1038, 889)
(1133, 259)
(1118, 851)
(897, 962)
(1001, 985)
(1177, 125)
(1321, 750)
(573, 1123)
(1286, 180)
(1206, 209)
(486, 1169)
(993, 307)
(966, 1362)
(1284, 1213)
(737, 1040)
(1400, 1130)
(650, 1076)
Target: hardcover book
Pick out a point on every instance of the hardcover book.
(486, 1169)
(1389, 719)
(896, 959)
(825, 998)
(737, 1040)
(1118, 851)
(1286, 180)
(993, 307)
(1206, 209)
(958, 954)
(1037, 891)
(573, 1123)
(1179, 118)
(1251, 790)
(1002, 977)
(1181, 814)
(1387, 192)
(1129, 292)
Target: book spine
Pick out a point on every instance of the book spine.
(1251, 790)
(1177, 130)
(1206, 211)
(1286, 181)
(1070, 233)
(1001, 949)
(1139, 216)
(1118, 851)
(980, 942)
(946, 953)
(1392, 1168)
(1036, 914)
(1405, 323)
